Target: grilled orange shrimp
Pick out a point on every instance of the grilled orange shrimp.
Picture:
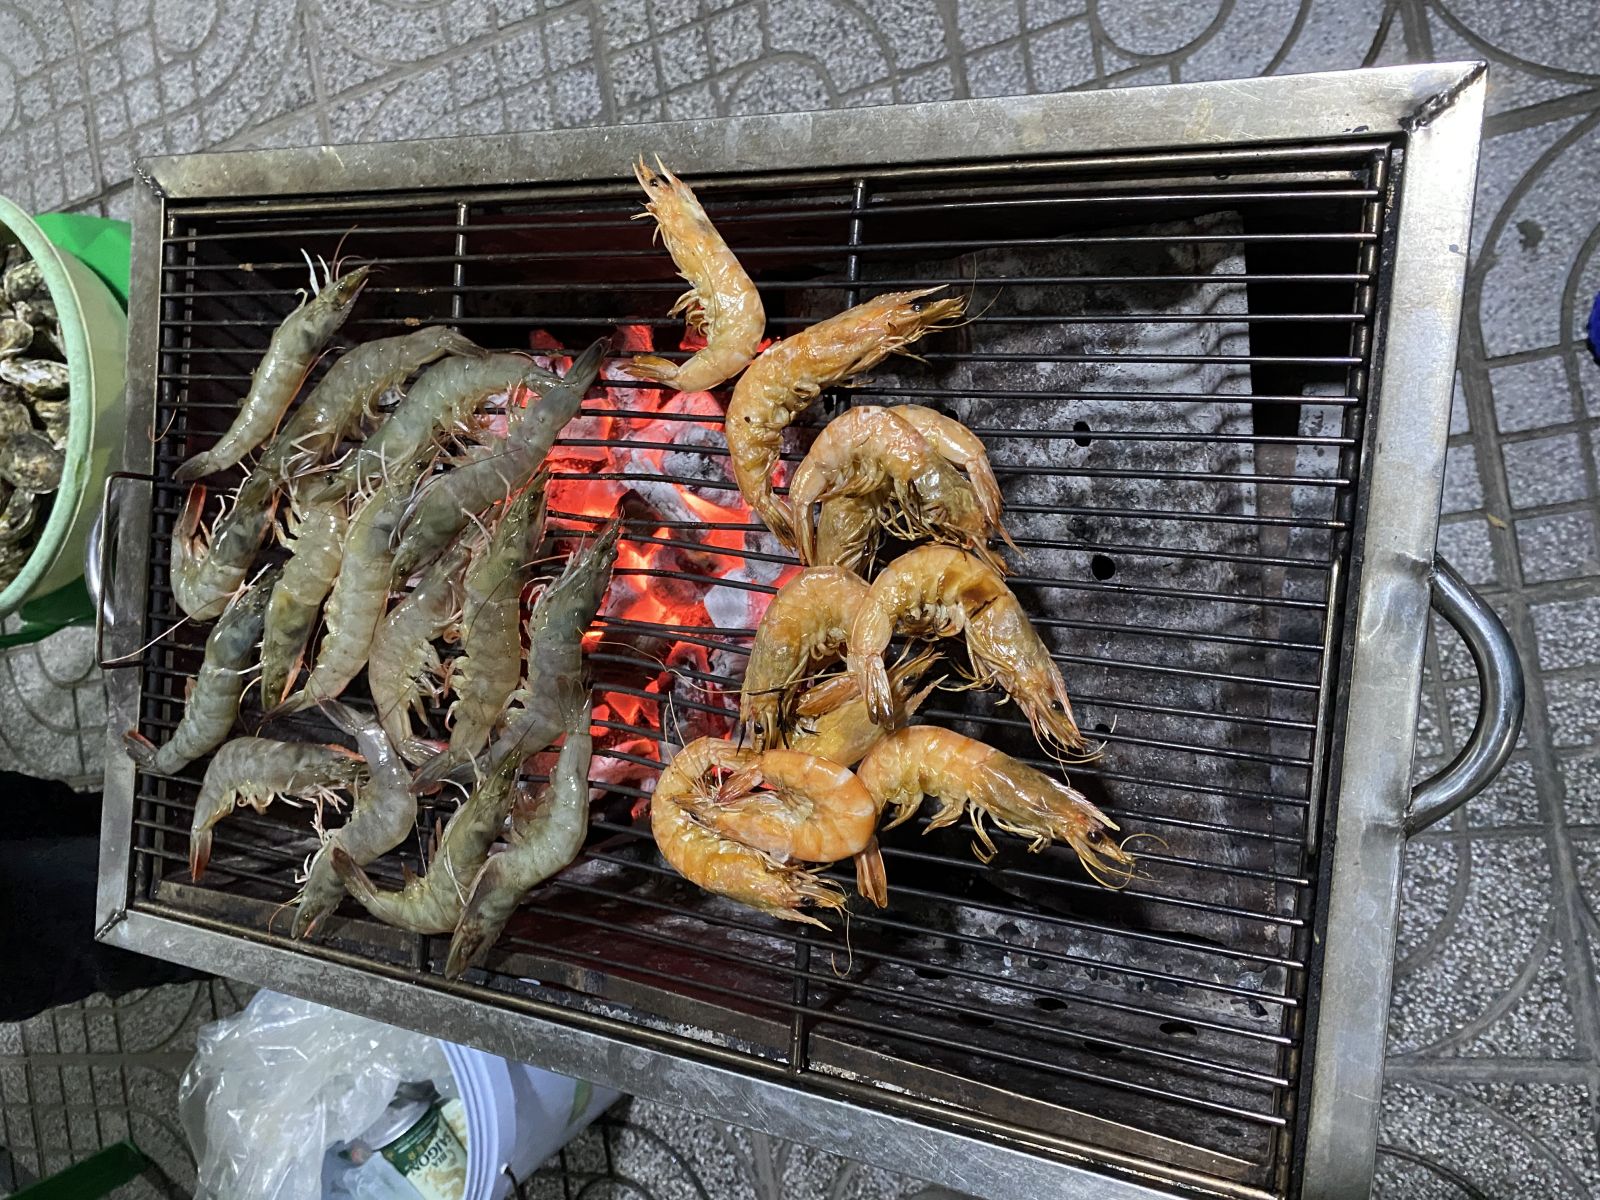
(876, 453)
(719, 864)
(967, 776)
(807, 625)
(796, 807)
(848, 533)
(294, 348)
(209, 567)
(721, 302)
(256, 771)
(782, 383)
(941, 591)
(831, 719)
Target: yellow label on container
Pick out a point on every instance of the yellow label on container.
(431, 1158)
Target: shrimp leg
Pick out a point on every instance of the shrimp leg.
(293, 349)
(384, 813)
(402, 652)
(543, 839)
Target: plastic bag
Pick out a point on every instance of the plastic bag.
(273, 1087)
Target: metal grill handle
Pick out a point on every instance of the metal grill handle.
(99, 568)
(1500, 683)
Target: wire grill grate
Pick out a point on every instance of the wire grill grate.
(1176, 417)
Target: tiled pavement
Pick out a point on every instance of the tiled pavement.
(1494, 1079)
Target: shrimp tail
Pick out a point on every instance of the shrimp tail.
(871, 880)
(438, 769)
(140, 748)
(877, 693)
(651, 367)
(199, 854)
(355, 879)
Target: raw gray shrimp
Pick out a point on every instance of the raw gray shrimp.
(441, 400)
(290, 354)
(544, 838)
(384, 813)
(432, 903)
(208, 568)
(443, 508)
(346, 395)
(214, 703)
(402, 653)
(315, 557)
(556, 625)
(360, 595)
(257, 771)
(490, 665)
(721, 302)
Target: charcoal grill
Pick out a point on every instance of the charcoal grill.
(1212, 360)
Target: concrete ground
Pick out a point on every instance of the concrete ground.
(1494, 1079)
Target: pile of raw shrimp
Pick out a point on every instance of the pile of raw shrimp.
(390, 555)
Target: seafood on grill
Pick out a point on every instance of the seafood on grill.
(440, 402)
(359, 597)
(719, 864)
(213, 703)
(316, 552)
(564, 609)
(793, 807)
(290, 355)
(942, 591)
(721, 303)
(347, 395)
(782, 383)
(403, 666)
(805, 627)
(831, 718)
(881, 456)
(490, 665)
(969, 777)
(433, 903)
(209, 567)
(384, 813)
(545, 835)
(848, 532)
(256, 771)
(448, 503)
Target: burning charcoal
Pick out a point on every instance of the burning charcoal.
(15, 337)
(46, 380)
(693, 461)
(24, 282)
(28, 460)
(38, 313)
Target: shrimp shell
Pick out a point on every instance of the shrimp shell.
(832, 720)
(968, 776)
(721, 865)
(873, 452)
(940, 591)
(209, 568)
(443, 508)
(290, 355)
(433, 903)
(346, 395)
(543, 839)
(213, 704)
(442, 400)
(315, 557)
(721, 302)
(256, 771)
(384, 813)
(794, 806)
(788, 376)
(402, 652)
(806, 626)
(360, 595)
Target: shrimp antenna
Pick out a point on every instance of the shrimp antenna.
(133, 655)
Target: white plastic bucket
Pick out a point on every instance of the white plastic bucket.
(517, 1116)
